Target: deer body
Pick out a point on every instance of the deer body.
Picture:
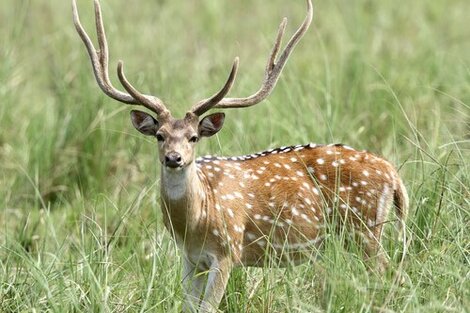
(275, 204)
(226, 212)
(278, 201)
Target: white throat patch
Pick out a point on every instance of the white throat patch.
(175, 182)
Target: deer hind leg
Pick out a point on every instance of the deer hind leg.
(373, 249)
(372, 240)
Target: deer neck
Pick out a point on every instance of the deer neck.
(182, 196)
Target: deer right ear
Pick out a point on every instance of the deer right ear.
(211, 124)
(143, 122)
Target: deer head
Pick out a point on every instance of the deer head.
(177, 138)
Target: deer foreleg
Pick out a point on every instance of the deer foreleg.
(219, 273)
(193, 287)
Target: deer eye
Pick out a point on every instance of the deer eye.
(194, 139)
(160, 138)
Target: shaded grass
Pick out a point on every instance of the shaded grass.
(80, 223)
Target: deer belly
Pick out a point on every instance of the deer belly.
(281, 247)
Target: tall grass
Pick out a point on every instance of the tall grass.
(81, 228)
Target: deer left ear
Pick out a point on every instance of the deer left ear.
(211, 124)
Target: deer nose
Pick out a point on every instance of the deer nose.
(173, 159)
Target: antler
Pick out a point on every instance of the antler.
(99, 61)
(272, 71)
(205, 105)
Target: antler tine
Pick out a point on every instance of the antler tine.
(273, 68)
(153, 104)
(205, 105)
(99, 61)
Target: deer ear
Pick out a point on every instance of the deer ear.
(143, 122)
(211, 124)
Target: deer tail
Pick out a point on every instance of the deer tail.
(401, 203)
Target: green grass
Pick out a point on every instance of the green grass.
(81, 229)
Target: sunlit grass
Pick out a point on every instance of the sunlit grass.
(81, 228)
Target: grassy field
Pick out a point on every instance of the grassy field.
(80, 223)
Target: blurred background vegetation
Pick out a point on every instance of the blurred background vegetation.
(80, 227)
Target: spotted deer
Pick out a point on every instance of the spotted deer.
(237, 211)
